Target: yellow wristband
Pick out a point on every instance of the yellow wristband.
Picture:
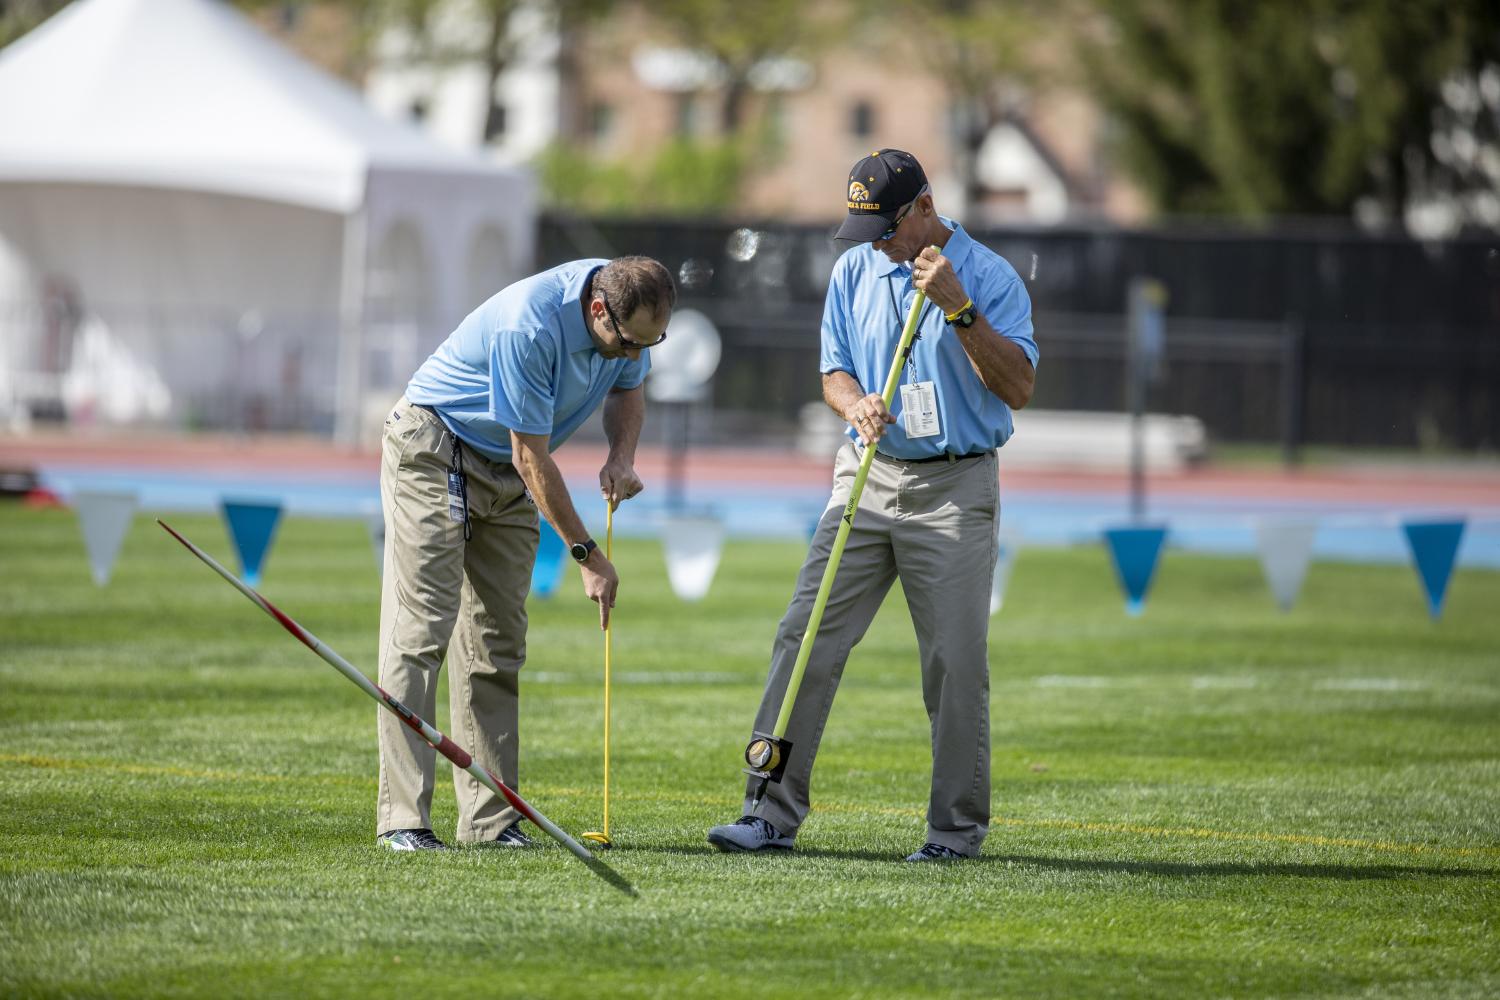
(966, 305)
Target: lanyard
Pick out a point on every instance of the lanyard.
(458, 486)
(911, 354)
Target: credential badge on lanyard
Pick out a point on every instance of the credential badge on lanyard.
(919, 414)
(458, 488)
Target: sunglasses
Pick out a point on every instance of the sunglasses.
(905, 212)
(625, 341)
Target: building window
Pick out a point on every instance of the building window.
(862, 121)
(602, 120)
(494, 122)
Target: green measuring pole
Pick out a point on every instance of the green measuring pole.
(767, 756)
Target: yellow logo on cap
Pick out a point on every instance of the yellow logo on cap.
(859, 197)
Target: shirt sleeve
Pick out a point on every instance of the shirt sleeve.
(633, 373)
(521, 391)
(1004, 302)
(836, 355)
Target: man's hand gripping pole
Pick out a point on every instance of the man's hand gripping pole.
(443, 745)
(768, 752)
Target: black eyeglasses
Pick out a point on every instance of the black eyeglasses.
(625, 341)
(904, 213)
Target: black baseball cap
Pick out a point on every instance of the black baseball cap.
(880, 186)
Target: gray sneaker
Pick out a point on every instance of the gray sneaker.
(512, 836)
(410, 840)
(935, 852)
(748, 833)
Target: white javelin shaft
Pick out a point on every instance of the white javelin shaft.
(442, 744)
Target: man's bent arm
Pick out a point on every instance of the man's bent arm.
(624, 411)
(865, 412)
(544, 479)
(999, 362)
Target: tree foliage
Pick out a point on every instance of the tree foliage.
(741, 35)
(1263, 107)
(984, 51)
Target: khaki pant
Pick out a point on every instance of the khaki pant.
(433, 582)
(936, 525)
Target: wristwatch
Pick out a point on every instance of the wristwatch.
(965, 317)
(580, 550)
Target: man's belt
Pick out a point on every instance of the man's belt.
(947, 457)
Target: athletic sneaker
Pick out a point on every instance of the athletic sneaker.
(411, 840)
(512, 836)
(936, 852)
(748, 833)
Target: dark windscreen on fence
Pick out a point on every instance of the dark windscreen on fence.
(1333, 338)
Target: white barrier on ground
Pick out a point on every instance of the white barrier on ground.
(375, 525)
(692, 545)
(105, 519)
(1063, 439)
(1285, 550)
(1005, 561)
(1091, 440)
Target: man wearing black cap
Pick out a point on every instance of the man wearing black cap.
(930, 510)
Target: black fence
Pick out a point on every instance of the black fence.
(1333, 338)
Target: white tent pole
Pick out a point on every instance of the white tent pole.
(350, 378)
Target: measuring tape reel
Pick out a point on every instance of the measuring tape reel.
(767, 756)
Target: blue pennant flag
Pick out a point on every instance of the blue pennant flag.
(547, 572)
(252, 527)
(1135, 552)
(1434, 547)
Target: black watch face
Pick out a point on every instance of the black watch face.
(580, 551)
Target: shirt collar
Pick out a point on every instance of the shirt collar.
(575, 333)
(956, 250)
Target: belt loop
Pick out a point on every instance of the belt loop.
(951, 459)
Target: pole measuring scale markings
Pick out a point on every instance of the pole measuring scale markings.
(442, 744)
(767, 753)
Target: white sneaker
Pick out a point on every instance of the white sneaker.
(748, 833)
(410, 840)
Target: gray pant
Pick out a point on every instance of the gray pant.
(435, 583)
(936, 525)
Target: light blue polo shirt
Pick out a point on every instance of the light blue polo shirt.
(523, 361)
(868, 298)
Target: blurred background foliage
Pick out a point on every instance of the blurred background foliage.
(1256, 108)
(1244, 108)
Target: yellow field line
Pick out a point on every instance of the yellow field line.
(1059, 824)
(1063, 824)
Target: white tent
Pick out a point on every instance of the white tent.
(256, 238)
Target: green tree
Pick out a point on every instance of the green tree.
(742, 36)
(984, 51)
(1263, 107)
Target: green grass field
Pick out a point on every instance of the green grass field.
(1211, 801)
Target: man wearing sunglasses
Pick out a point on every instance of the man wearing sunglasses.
(930, 510)
(466, 463)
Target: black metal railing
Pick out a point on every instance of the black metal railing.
(1321, 336)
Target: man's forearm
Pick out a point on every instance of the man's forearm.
(841, 391)
(545, 481)
(624, 412)
(1000, 363)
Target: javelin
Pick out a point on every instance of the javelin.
(764, 755)
(440, 743)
